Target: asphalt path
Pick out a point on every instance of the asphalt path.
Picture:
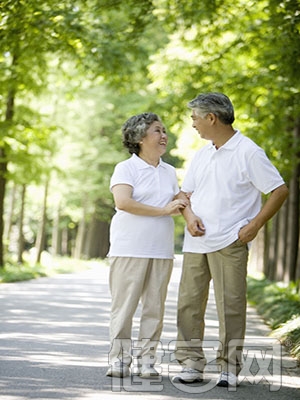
(54, 345)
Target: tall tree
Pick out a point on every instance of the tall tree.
(95, 35)
(233, 49)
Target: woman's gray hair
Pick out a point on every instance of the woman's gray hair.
(215, 103)
(135, 129)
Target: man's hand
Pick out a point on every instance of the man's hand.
(195, 225)
(248, 232)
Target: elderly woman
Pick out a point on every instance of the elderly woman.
(141, 243)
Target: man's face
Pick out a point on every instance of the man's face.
(201, 124)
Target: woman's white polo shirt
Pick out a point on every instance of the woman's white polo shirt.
(144, 236)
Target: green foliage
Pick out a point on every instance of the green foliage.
(14, 272)
(275, 302)
(76, 70)
(279, 305)
(232, 49)
(179, 232)
(289, 334)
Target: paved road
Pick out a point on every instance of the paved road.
(53, 345)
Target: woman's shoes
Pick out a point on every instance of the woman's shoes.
(145, 371)
(118, 370)
(121, 370)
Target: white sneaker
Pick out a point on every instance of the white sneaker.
(148, 371)
(118, 370)
(227, 379)
(145, 371)
(188, 375)
(136, 371)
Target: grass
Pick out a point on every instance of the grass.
(13, 272)
(279, 305)
(49, 266)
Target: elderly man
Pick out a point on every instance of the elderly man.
(225, 181)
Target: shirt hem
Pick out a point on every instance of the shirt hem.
(142, 256)
(209, 249)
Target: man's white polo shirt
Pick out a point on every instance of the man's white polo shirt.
(144, 236)
(227, 184)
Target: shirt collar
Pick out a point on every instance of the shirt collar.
(141, 164)
(231, 143)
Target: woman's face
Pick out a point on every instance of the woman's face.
(156, 139)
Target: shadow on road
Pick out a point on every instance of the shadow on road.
(54, 345)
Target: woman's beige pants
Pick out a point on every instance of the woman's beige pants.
(131, 280)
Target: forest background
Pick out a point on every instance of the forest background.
(72, 72)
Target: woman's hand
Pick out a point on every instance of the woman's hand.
(175, 207)
(124, 201)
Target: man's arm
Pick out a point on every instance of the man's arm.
(270, 208)
(193, 222)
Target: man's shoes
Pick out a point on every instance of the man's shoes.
(145, 371)
(118, 370)
(188, 375)
(227, 379)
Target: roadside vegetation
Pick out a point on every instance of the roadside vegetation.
(279, 305)
(49, 266)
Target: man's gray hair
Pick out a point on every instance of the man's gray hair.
(135, 129)
(215, 103)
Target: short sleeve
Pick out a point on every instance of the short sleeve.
(188, 184)
(262, 173)
(121, 175)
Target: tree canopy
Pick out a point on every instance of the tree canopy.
(73, 72)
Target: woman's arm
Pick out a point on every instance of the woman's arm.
(123, 200)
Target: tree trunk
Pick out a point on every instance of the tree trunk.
(298, 269)
(65, 250)
(56, 234)
(293, 222)
(79, 242)
(266, 230)
(8, 222)
(80, 237)
(40, 241)
(21, 222)
(293, 231)
(282, 235)
(3, 168)
(272, 250)
(97, 242)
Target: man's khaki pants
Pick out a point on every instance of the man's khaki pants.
(228, 269)
(131, 280)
